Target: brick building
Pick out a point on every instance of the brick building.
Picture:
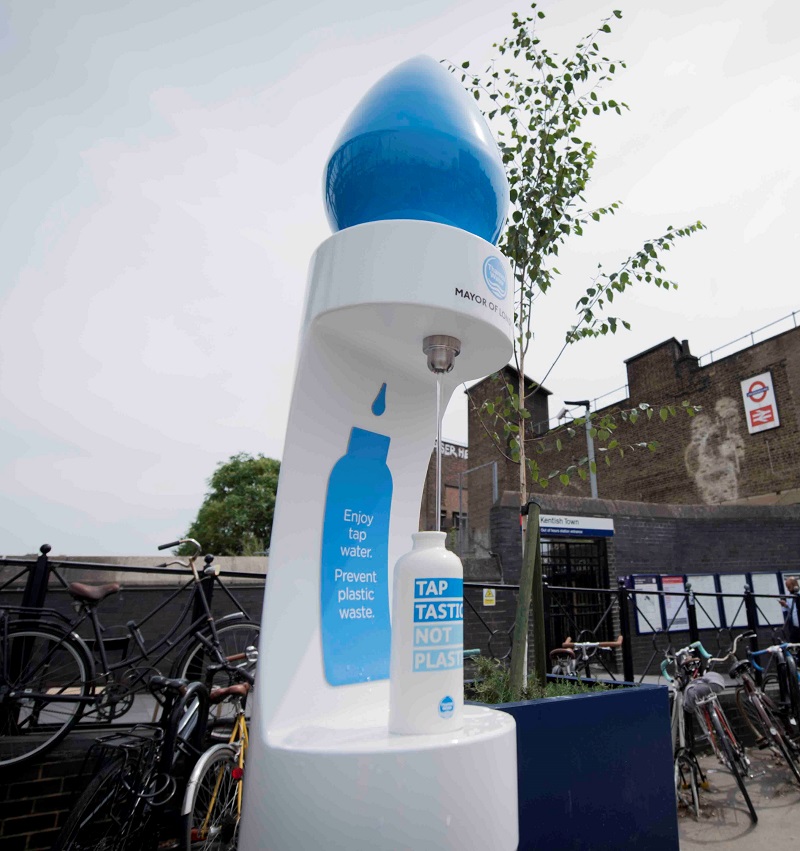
(709, 459)
(493, 472)
(719, 497)
(455, 502)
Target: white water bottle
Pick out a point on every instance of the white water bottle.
(426, 681)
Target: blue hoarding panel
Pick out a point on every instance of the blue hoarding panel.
(595, 772)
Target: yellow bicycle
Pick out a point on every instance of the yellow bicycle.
(212, 804)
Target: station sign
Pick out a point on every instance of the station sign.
(760, 405)
(584, 527)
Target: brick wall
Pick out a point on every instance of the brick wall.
(707, 459)
(674, 539)
(35, 798)
(455, 460)
(483, 451)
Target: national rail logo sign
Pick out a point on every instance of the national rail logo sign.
(760, 406)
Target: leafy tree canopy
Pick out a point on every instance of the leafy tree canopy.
(236, 515)
(537, 102)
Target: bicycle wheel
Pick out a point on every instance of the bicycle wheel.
(687, 780)
(751, 717)
(46, 676)
(108, 816)
(794, 689)
(734, 756)
(776, 732)
(211, 807)
(234, 639)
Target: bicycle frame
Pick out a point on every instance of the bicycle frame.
(152, 654)
(778, 652)
(238, 741)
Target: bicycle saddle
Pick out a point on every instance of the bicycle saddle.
(92, 593)
(159, 683)
(562, 652)
(702, 687)
(737, 669)
(219, 694)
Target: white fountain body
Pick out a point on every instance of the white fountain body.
(323, 769)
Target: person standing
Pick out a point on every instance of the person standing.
(791, 624)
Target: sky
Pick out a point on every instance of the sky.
(161, 182)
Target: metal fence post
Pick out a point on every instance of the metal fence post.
(33, 596)
(691, 611)
(207, 587)
(625, 629)
(752, 624)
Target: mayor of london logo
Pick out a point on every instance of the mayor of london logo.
(495, 276)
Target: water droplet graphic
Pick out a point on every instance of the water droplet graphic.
(379, 405)
(417, 147)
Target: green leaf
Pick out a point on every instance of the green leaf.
(564, 479)
(664, 414)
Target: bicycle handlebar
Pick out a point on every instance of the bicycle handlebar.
(694, 646)
(225, 663)
(731, 654)
(774, 649)
(172, 544)
(677, 657)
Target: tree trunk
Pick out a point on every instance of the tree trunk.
(530, 599)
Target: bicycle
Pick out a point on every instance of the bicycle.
(49, 678)
(566, 664)
(758, 709)
(125, 806)
(212, 805)
(700, 696)
(785, 676)
(689, 776)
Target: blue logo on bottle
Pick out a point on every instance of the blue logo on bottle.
(446, 707)
(495, 276)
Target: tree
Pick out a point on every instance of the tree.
(236, 515)
(537, 102)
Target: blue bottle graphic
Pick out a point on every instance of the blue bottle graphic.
(354, 582)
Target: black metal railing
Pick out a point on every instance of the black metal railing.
(601, 614)
(39, 572)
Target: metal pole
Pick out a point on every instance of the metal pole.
(752, 624)
(585, 403)
(460, 517)
(590, 446)
(625, 629)
(36, 587)
(691, 611)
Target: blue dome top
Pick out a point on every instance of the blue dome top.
(417, 147)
